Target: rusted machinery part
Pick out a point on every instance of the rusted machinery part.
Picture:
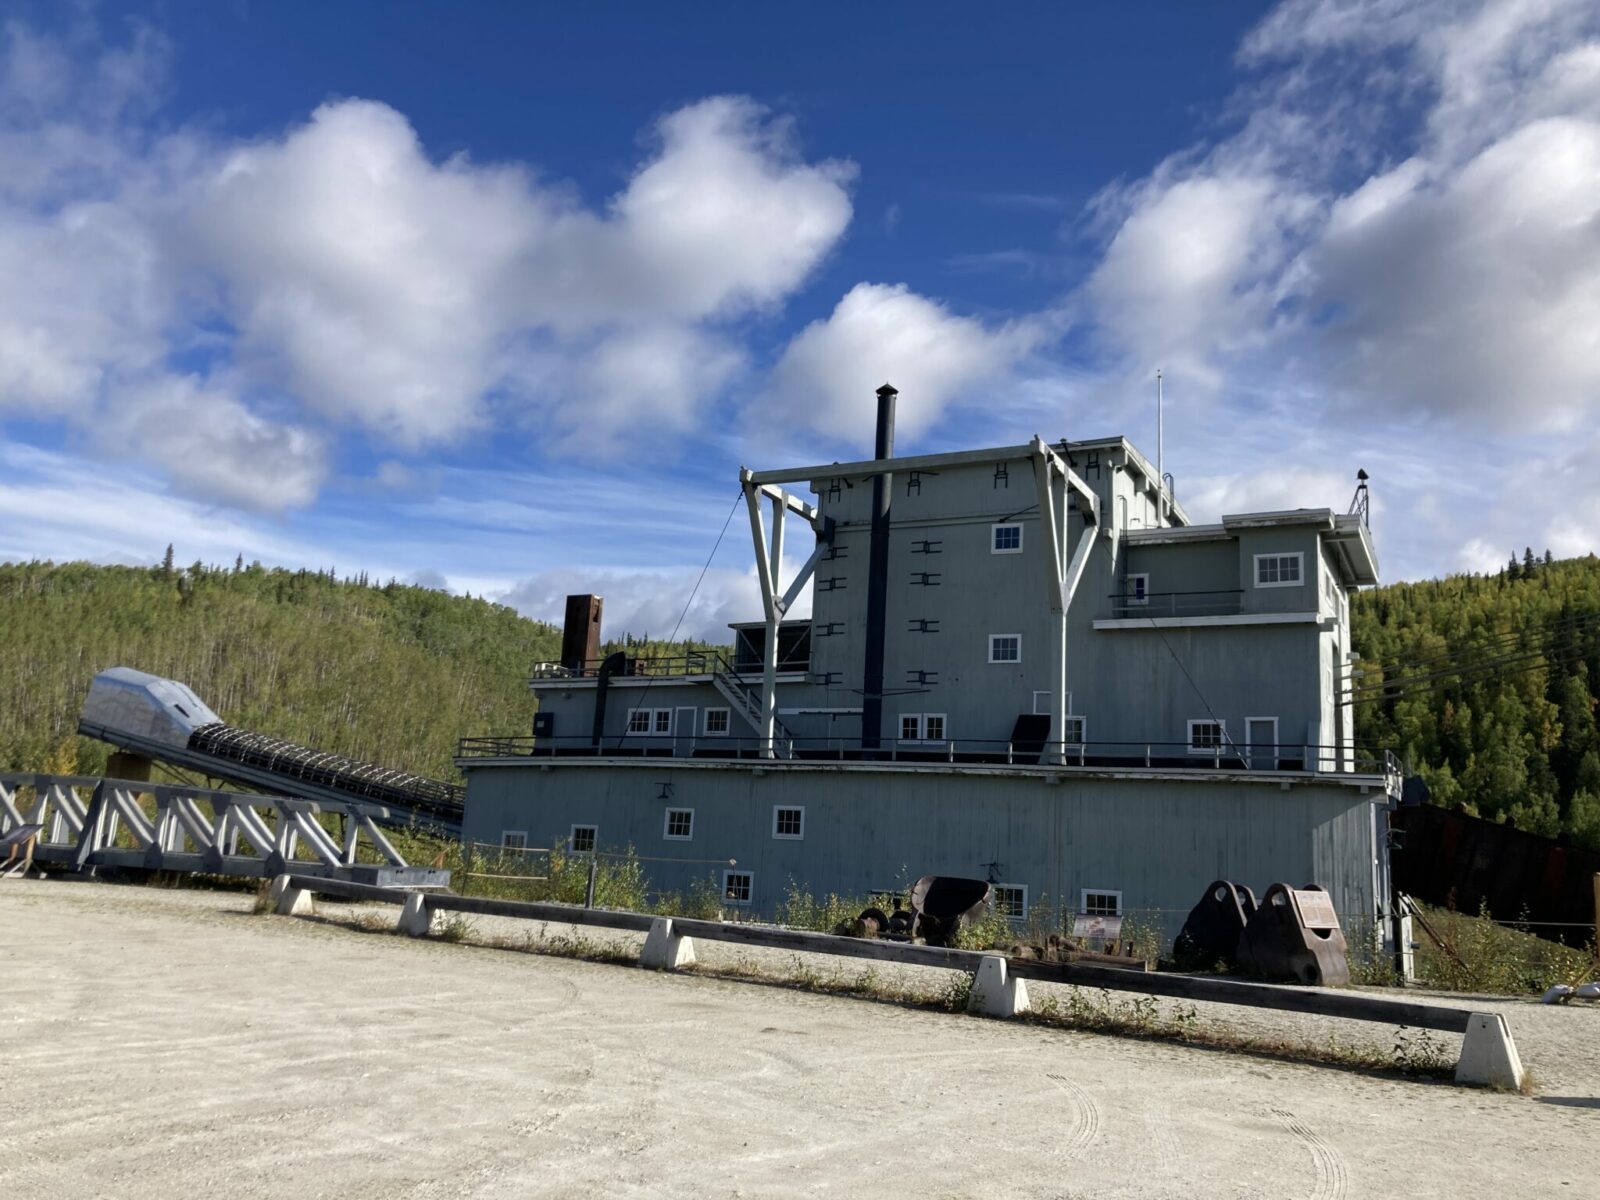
(1294, 936)
(1211, 933)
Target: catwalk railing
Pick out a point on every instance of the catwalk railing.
(1226, 602)
(694, 662)
(1283, 756)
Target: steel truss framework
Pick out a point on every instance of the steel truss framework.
(91, 822)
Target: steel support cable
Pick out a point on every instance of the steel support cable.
(694, 591)
(1210, 712)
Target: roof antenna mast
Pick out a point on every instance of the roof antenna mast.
(1161, 442)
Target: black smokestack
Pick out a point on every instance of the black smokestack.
(878, 576)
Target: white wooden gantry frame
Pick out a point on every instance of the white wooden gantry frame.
(1064, 565)
(776, 598)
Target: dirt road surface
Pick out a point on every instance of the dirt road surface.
(169, 1043)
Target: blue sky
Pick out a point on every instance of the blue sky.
(498, 298)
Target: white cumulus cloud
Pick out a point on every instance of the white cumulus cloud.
(828, 374)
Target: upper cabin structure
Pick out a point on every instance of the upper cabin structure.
(1047, 602)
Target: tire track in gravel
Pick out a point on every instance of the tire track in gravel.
(1084, 1123)
(1332, 1178)
(1162, 1141)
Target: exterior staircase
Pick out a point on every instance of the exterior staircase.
(746, 701)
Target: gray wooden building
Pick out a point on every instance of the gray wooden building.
(1023, 662)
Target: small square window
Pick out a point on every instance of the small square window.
(583, 839)
(638, 720)
(1206, 737)
(789, 823)
(1075, 731)
(1101, 904)
(663, 720)
(514, 839)
(933, 727)
(1005, 539)
(1278, 570)
(1011, 901)
(1005, 647)
(910, 727)
(679, 825)
(736, 886)
(1138, 590)
(716, 722)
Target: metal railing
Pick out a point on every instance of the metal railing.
(1297, 757)
(694, 662)
(1225, 602)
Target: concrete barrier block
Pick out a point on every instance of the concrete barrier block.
(290, 901)
(665, 950)
(1488, 1055)
(416, 918)
(995, 991)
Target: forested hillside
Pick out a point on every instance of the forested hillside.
(389, 673)
(1486, 684)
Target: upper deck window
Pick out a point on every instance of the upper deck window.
(1005, 647)
(1279, 570)
(1005, 539)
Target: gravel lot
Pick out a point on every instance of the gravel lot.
(165, 1043)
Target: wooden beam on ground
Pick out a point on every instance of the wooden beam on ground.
(1284, 997)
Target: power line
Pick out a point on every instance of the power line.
(1502, 641)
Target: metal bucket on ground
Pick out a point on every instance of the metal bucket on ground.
(1294, 936)
(1211, 933)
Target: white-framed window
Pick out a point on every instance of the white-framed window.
(716, 722)
(736, 887)
(1041, 703)
(1279, 570)
(1005, 539)
(583, 839)
(650, 721)
(922, 727)
(1138, 589)
(1208, 736)
(788, 822)
(678, 825)
(1098, 902)
(514, 839)
(1005, 647)
(1076, 731)
(1011, 901)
